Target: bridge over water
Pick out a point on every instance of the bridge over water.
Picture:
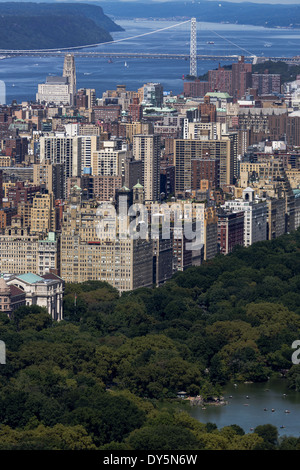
(143, 55)
(82, 51)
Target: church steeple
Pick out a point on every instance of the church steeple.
(138, 193)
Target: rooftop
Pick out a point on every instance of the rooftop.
(218, 94)
(30, 278)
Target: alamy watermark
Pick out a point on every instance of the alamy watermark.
(2, 352)
(157, 221)
(295, 358)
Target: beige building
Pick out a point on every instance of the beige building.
(89, 145)
(50, 176)
(146, 148)
(69, 71)
(89, 252)
(293, 177)
(191, 243)
(109, 161)
(24, 212)
(137, 128)
(88, 129)
(269, 179)
(43, 214)
(5, 161)
(22, 252)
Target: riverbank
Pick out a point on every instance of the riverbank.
(270, 15)
(251, 404)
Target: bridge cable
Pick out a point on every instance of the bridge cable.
(228, 40)
(99, 44)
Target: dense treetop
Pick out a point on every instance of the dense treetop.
(47, 25)
(103, 376)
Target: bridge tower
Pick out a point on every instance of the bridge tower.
(193, 48)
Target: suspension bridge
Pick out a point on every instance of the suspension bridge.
(192, 56)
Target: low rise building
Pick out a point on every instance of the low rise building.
(45, 291)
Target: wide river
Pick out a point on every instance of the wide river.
(22, 75)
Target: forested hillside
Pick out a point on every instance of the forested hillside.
(46, 25)
(260, 14)
(100, 378)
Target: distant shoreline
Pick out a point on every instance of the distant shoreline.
(184, 18)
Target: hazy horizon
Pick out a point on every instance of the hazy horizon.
(100, 2)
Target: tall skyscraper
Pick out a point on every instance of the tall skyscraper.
(69, 71)
(188, 150)
(147, 149)
(63, 150)
(241, 77)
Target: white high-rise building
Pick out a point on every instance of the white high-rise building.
(59, 90)
(109, 161)
(255, 216)
(56, 90)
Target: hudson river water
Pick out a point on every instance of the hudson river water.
(22, 74)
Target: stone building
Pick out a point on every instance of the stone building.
(44, 291)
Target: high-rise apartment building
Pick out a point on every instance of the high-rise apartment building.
(220, 80)
(124, 263)
(89, 145)
(50, 176)
(188, 150)
(266, 83)
(146, 148)
(63, 150)
(110, 160)
(43, 214)
(255, 216)
(241, 77)
(21, 193)
(230, 230)
(269, 178)
(195, 88)
(135, 110)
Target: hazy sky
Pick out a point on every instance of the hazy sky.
(282, 2)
